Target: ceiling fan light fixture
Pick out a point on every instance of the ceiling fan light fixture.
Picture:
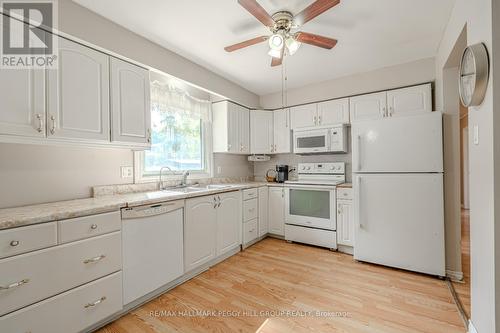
(274, 53)
(276, 42)
(292, 45)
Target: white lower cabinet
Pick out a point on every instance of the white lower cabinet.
(250, 231)
(69, 312)
(263, 211)
(277, 210)
(211, 228)
(345, 221)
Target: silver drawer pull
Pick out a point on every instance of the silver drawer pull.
(93, 226)
(99, 301)
(14, 243)
(15, 285)
(94, 260)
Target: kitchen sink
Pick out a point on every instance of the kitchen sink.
(188, 189)
(217, 186)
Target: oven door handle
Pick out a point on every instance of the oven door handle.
(311, 187)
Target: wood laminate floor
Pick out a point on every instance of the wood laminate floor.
(257, 286)
(463, 288)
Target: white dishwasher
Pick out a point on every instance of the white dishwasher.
(152, 245)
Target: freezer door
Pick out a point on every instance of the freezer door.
(404, 144)
(399, 221)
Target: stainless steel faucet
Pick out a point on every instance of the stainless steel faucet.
(162, 187)
(185, 174)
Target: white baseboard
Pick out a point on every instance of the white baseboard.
(454, 275)
(472, 329)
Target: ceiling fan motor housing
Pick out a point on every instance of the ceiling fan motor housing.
(282, 22)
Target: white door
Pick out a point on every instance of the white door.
(282, 132)
(345, 223)
(277, 211)
(368, 107)
(409, 101)
(399, 221)
(333, 112)
(304, 116)
(200, 228)
(244, 120)
(263, 211)
(261, 132)
(78, 94)
(233, 128)
(403, 144)
(228, 222)
(130, 103)
(22, 92)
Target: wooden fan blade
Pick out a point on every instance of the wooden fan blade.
(315, 9)
(316, 40)
(278, 61)
(246, 43)
(256, 10)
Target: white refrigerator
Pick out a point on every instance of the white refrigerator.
(398, 188)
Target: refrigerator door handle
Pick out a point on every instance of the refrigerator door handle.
(358, 138)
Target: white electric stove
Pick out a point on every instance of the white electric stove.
(310, 203)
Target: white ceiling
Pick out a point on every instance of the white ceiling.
(372, 34)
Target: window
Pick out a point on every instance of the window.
(180, 127)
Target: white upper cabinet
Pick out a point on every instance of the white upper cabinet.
(22, 93)
(304, 116)
(333, 112)
(261, 132)
(368, 107)
(130, 103)
(409, 101)
(231, 128)
(78, 94)
(282, 132)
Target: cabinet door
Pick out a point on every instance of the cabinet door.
(130, 103)
(263, 211)
(345, 224)
(22, 92)
(409, 101)
(228, 222)
(78, 94)
(233, 128)
(277, 211)
(261, 132)
(333, 112)
(200, 226)
(244, 120)
(368, 107)
(304, 116)
(282, 132)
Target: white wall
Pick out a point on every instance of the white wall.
(31, 174)
(485, 296)
(415, 72)
(86, 25)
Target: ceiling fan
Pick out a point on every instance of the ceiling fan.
(283, 40)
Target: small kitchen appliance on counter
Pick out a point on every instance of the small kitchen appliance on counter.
(281, 173)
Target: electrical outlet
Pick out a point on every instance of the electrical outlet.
(219, 170)
(127, 171)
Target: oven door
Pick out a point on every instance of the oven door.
(311, 141)
(311, 206)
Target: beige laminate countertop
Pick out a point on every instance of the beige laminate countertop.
(61, 210)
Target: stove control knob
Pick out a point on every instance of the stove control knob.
(308, 168)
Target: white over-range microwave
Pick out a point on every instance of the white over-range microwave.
(317, 140)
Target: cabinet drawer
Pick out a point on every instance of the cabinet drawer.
(38, 275)
(88, 226)
(250, 194)
(70, 312)
(250, 231)
(26, 239)
(250, 210)
(344, 193)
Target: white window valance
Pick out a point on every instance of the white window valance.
(168, 98)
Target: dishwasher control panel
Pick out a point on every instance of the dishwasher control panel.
(151, 210)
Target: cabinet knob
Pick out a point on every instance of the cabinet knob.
(93, 226)
(40, 123)
(14, 243)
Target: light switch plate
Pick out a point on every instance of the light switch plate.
(219, 170)
(127, 171)
(476, 134)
